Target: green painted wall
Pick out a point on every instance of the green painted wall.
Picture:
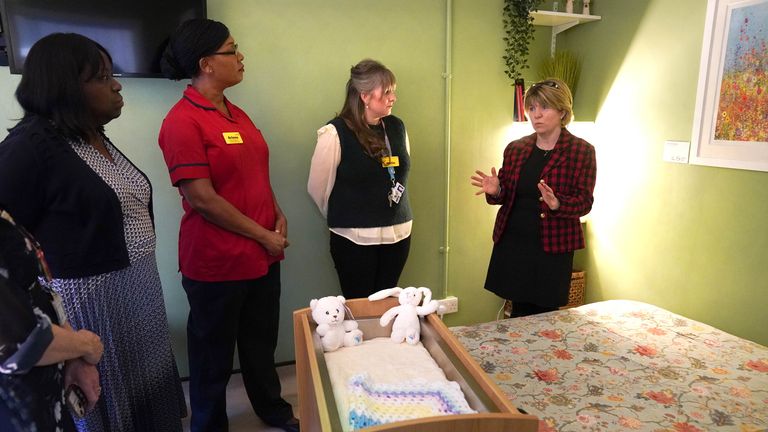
(681, 236)
(297, 55)
(689, 238)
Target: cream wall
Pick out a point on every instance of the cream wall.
(684, 237)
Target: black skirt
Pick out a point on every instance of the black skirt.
(519, 269)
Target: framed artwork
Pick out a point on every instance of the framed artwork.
(731, 117)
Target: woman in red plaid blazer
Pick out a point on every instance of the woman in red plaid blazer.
(544, 186)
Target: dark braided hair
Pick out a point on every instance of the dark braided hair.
(191, 41)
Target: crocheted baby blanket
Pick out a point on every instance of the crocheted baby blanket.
(372, 403)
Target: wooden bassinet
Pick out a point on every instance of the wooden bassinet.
(317, 406)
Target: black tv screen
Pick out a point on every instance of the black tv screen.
(134, 31)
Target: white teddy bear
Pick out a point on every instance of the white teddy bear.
(406, 326)
(334, 330)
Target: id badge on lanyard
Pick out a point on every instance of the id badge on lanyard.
(390, 162)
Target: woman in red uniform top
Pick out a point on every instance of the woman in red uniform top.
(233, 232)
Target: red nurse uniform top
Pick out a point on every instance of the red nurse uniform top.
(199, 141)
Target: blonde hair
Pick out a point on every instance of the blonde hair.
(552, 93)
(365, 77)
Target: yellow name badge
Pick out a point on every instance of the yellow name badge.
(232, 138)
(390, 161)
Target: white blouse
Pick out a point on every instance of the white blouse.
(322, 176)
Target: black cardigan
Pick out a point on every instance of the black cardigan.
(55, 195)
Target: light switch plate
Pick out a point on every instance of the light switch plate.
(676, 151)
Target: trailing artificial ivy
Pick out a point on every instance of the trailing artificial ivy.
(518, 26)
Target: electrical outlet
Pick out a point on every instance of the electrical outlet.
(448, 305)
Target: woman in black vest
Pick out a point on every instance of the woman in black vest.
(358, 180)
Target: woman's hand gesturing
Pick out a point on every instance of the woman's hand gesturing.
(487, 183)
(548, 195)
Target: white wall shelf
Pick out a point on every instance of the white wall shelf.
(560, 22)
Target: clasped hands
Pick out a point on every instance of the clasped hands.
(82, 371)
(489, 184)
(277, 240)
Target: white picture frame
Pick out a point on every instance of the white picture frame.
(727, 131)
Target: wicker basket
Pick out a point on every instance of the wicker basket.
(575, 295)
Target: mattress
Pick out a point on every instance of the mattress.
(624, 365)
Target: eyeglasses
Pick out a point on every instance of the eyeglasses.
(234, 51)
(547, 83)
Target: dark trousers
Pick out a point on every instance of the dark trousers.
(363, 270)
(221, 315)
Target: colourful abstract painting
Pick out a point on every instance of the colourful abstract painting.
(742, 107)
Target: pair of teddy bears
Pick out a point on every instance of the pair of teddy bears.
(335, 331)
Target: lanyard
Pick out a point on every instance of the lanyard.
(390, 169)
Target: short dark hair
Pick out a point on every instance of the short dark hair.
(52, 80)
(191, 41)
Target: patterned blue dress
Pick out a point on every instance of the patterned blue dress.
(141, 390)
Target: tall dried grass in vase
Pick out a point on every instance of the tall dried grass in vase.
(564, 65)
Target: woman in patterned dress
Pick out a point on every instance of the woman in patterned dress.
(36, 341)
(91, 210)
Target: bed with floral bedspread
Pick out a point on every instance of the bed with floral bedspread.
(623, 365)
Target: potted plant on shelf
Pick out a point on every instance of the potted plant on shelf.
(518, 27)
(563, 65)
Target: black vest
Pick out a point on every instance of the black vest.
(359, 196)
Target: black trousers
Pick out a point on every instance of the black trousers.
(221, 315)
(363, 270)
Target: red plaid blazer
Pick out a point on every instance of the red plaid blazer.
(570, 172)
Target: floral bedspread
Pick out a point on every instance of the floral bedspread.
(622, 365)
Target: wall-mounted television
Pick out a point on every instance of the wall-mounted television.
(134, 32)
